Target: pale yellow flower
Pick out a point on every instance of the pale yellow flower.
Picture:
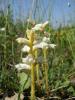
(40, 45)
(22, 66)
(40, 27)
(22, 41)
(25, 49)
(45, 39)
(37, 27)
(28, 60)
(52, 46)
(43, 45)
(45, 24)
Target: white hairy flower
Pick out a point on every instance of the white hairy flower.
(22, 40)
(25, 49)
(43, 45)
(40, 45)
(52, 46)
(39, 27)
(22, 66)
(45, 39)
(45, 24)
(28, 60)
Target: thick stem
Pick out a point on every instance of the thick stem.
(32, 83)
(37, 67)
(32, 74)
(46, 70)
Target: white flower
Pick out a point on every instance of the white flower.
(25, 49)
(22, 40)
(40, 45)
(22, 66)
(52, 46)
(36, 41)
(43, 45)
(45, 39)
(2, 29)
(39, 27)
(45, 24)
(28, 60)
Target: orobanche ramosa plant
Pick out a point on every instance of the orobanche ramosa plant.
(32, 44)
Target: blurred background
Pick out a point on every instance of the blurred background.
(58, 12)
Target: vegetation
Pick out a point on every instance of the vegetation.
(61, 60)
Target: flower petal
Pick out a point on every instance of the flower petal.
(22, 40)
(25, 49)
(45, 24)
(45, 39)
(28, 60)
(22, 66)
(40, 27)
(40, 45)
(37, 27)
(52, 45)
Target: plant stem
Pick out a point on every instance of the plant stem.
(32, 83)
(32, 73)
(46, 69)
(37, 67)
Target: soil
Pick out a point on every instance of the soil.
(61, 95)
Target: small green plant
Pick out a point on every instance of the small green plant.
(31, 45)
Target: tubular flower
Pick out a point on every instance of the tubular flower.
(40, 45)
(40, 27)
(22, 66)
(43, 45)
(28, 60)
(37, 27)
(23, 41)
(25, 49)
(52, 46)
(45, 39)
(45, 24)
